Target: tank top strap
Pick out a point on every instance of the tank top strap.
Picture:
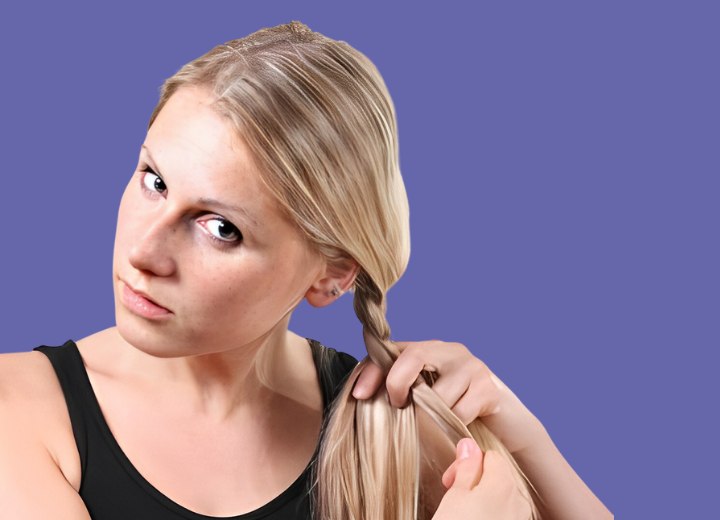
(112, 488)
(333, 369)
(75, 384)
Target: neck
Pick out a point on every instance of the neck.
(217, 386)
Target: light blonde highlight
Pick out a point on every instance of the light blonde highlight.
(320, 122)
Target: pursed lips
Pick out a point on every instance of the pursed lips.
(144, 295)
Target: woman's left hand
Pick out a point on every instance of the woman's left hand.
(464, 383)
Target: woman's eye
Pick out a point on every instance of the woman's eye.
(153, 182)
(223, 230)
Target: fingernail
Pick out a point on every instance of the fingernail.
(358, 392)
(465, 445)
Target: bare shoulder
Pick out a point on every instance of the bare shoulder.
(33, 408)
(24, 375)
(29, 469)
(29, 386)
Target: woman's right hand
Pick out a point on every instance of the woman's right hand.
(480, 486)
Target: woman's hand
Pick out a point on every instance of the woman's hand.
(464, 383)
(480, 486)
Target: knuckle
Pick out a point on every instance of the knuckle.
(415, 353)
(409, 356)
(459, 346)
(463, 415)
(493, 395)
(392, 384)
(479, 372)
(395, 386)
(482, 367)
(488, 389)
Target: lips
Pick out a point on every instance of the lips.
(143, 294)
(139, 302)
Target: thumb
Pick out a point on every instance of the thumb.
(368, 381)
(468, 465)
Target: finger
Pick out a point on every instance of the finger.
(469, 468)
(403, 373)
(482, 398)
(450, 388)
(448, 477)
(402, 345)
(497, 472)
(499, 481)
(368, 381)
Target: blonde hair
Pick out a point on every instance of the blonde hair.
(320, 122)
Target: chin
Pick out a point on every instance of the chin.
(152, 338)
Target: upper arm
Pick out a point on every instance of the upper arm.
(32, 485)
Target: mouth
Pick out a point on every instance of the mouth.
(140, 303)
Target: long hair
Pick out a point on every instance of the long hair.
(318, 118)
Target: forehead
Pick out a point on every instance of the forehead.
(197, 151)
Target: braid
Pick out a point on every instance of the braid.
(368, 465)
(369, 462)
(342, 188)
(370, 307)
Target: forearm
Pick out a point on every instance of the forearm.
(565, 496)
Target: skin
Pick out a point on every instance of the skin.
(471, 391)
(480, 485)
(219, 377)
(222, 366)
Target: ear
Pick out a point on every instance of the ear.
(340, 275)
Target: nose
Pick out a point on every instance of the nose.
(152, 250)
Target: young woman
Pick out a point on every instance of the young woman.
(269, 175)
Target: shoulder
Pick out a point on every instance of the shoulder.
(333, 358)
(32, 407)
(334, 366)
(27, 380)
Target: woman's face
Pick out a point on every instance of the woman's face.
(200, 236)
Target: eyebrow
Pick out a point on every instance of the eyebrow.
(208, 201)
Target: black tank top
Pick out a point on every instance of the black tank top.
(113, 489)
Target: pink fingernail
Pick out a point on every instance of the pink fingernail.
(358, 392)
(465, 448)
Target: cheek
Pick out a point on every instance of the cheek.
(129, 221)
(245, 293)
(121, 229)
(233, 286)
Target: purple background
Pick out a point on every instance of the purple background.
(562, 167)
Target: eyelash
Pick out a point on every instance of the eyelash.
(220, 242)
